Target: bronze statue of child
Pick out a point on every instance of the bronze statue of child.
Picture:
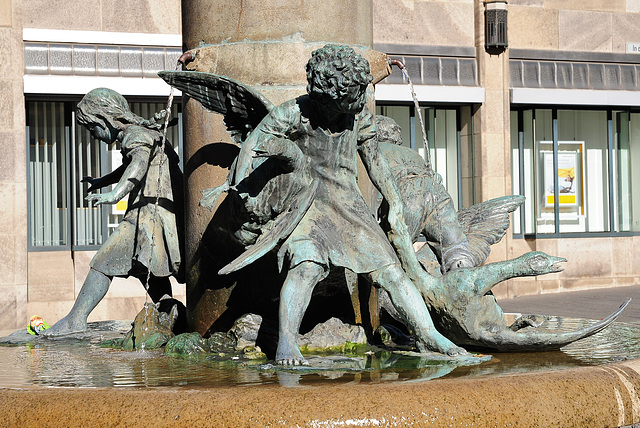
(147, 242)
(331, 125)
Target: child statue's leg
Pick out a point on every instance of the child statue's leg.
(294, 300)
(409, 303)
(93, 290)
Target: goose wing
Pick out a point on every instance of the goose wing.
(486, 223)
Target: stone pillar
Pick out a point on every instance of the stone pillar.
(492, 146)
(264, 44)
(13, 183)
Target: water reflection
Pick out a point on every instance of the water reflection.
(81, 362)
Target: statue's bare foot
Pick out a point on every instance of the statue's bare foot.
(442, 345)
(289, 355)
(456, 351)
(65, 326)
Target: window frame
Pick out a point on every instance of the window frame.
(413, 138)
(70, 107)
(611, 182)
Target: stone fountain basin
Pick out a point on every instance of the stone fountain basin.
(594, 382)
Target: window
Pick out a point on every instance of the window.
(445, 141)
(60, 153)
(574, 167)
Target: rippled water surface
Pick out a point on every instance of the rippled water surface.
(81, 362)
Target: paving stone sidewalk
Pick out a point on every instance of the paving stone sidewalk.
(592, 304)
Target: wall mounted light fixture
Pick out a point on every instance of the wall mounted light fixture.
(495, 26)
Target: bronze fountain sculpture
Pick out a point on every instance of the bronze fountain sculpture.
(293, 189)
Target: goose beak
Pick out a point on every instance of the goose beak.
(555, 264)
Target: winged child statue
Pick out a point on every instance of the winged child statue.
(293, 188)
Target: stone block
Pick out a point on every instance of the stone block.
(498, 253)
(64, 15)
(536, 3)
(150, 16)
(547, 285)
(19, 120)
(635, 256)
(633, 5)
(495, 117)
(20, 267)
(342, 21)
(13, 306)
(532, 27)
(491, 187)
(424, 22)
(7, 201)
(587, 257)
(549, 246)
(7, 259)
(521, 246)
(494, 153)
(5, 13)
(626, 281)
(524, 287)
(5, 48)
(6, 101)
(123, 308)
(585, 31)
(8, 165)
(51, 312)
(622, 247)
(125, 288)
(587, 5)
(101, 312)
(625, 30)
(501, 291)
(586, 283)
(81, 260)
(51, 276)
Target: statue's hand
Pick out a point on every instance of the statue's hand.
(278, 147)
(210, 196)
(102, 198)
(94, 183)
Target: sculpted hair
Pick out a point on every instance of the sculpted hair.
(107, 104)
(332, 69)
(388, 130)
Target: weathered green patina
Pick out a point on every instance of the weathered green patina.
(293, 188)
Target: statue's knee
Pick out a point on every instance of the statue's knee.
(388, 275)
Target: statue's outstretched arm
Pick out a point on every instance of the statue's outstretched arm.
(133, 174)
(106, 180)
(381, 176)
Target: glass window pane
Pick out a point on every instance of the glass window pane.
(621, 171)
(441, 135)
(515, 170)
(48, 191)
(583, 146)
(543, 134)
(528, 167)
(401, 114)
(466, 156)
(88, 217)
(634, 173)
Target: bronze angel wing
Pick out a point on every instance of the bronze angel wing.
(242, 107)
(486, 223)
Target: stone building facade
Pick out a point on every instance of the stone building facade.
(554, 116)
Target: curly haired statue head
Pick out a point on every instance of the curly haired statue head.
(106, 105)
(338, 77)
